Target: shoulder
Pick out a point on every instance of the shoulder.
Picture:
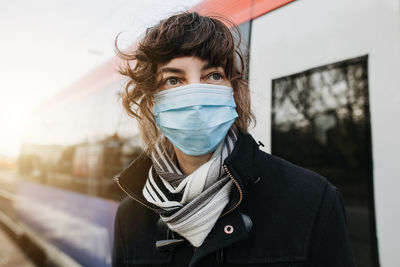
(131, 215)
(297, 192)
(290, 204)
(251, 164)
(288, 172)
(127, 205)
(290, 181)
(131, 209)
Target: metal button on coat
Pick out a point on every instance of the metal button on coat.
(228, 229)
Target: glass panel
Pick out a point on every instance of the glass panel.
(80, 142)
(320, 120)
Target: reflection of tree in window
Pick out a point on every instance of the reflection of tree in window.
(324, 107)
(320, 120)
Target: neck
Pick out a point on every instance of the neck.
(189, 164)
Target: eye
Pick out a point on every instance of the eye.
(215, 76)
(171, 81)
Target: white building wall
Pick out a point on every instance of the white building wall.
(312, 33)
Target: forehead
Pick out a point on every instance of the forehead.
(188, 63)
(182, 62)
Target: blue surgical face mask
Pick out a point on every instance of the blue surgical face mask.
(195, 117)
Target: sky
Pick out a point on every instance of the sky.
(46, 45)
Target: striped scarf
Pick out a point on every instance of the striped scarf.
(190, 204)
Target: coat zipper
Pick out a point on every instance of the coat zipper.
(238, 187)
(225, 213)
(140, 202)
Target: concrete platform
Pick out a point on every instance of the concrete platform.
(10, 254)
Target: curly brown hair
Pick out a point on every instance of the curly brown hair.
(184, 34)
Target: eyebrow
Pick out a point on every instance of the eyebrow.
(172, 70)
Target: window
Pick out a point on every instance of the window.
(320, 120)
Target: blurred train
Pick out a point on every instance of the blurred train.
(324, 82)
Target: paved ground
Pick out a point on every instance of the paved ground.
(10, 254)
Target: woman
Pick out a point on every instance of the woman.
(203, 194)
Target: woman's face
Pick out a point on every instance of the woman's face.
(186, 70)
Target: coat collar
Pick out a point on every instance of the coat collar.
(239, 166)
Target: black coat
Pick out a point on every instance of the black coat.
(298, 219)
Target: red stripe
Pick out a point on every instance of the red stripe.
(238, 11)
